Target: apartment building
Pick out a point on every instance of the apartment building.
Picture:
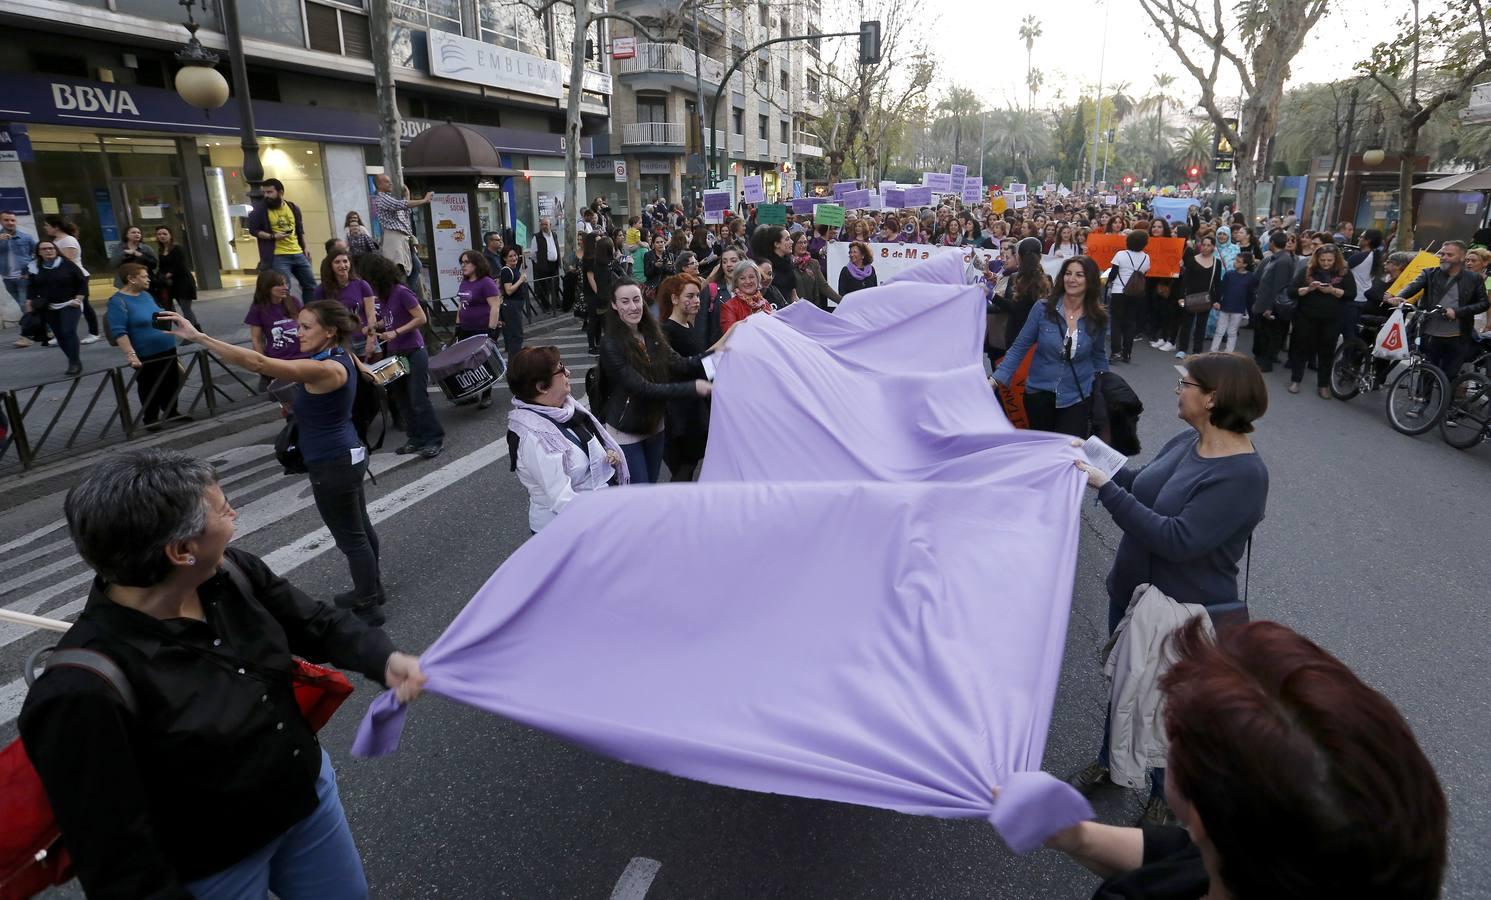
(101, 136)
(758, 128)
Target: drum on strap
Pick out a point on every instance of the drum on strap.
(466, 367)
(387, 371)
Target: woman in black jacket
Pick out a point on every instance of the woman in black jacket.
(175, 284)
(1024, 289)
(772, 243)
(57, 292)
(643, 373)
(657, 264)
(1323, 288)
(1200, 274)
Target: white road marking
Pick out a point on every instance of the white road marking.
(285, 559)
(636, 879)
(25, 539)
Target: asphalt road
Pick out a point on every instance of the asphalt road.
(1374, 546)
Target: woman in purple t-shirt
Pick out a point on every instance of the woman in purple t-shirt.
(481, 304)
(338, 283)
(271, 320)
(399, 329)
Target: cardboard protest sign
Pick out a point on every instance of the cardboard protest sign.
(754, 191)
(894, 197)
(997, 203)
(972, 192)
(844, 187)
(1165, 255)
(917, 197)
(1101, 248)
(957, 184)
(716, 201)
(803, 206)
(830, 214)
(939, 182)
(771, 214)
(958, 171)
(856, 200)
(1411, 271)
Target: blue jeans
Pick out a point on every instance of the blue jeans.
(423, 425)
(314, 859)
(297, 268)
(644, 459)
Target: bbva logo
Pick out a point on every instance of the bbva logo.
(85, 98)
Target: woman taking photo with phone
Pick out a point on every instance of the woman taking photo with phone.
(148, 346)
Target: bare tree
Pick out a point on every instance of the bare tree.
(1458, 53)
(1271, 32)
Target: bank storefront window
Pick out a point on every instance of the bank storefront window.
(298, 164)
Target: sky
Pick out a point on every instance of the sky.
(977, 45)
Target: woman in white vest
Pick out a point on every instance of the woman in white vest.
(1365, 265)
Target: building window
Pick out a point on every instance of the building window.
(786, 139)
(813, 90)
(785, 80)
(763, 71)
(739, 121)
(765, 10)
(813, 43)
(512, 25)
(764, 124)
(442, 15)
(652, 109)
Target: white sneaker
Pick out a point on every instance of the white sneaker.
(1155, 343)
(92, 338)
(1180, 354)
(1165, 346)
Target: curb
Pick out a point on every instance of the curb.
(24, 487)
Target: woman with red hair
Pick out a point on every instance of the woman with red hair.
(1294, 781)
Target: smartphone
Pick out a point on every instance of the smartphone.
(159, 322)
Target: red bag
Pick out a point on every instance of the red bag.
(318, 692)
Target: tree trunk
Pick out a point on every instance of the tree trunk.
(380, 29)
(567, 232)
(1405, 184)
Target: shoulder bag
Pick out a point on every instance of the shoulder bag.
(1201, 300)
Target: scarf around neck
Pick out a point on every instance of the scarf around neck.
(557, 414)
(859, 274)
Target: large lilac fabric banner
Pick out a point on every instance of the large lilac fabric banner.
(869, 603)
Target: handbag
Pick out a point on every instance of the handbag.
(1201, 300)
(32, 855)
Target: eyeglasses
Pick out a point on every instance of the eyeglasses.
(1183, 384)
(562, 370)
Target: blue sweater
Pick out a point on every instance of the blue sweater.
(1238, 290)
(1186, 521)
(1049, 370)
(131, 316)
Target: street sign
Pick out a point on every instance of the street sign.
(621, 170)
(623, 48)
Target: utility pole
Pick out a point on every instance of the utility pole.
(572, 124)
(390, 125)
(253, 169)
(702, 178)
(1097, 116)
(1340, 195)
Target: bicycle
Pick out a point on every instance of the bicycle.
(1467, 420)
(1417, 391)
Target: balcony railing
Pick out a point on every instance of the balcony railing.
(670, 59)
(653, 134)
(806, 139)
(761, 147)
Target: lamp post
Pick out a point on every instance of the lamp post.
(200, 84)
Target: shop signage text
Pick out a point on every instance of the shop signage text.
(81, 97)
(462, 59)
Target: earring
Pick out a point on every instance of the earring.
(191, 560)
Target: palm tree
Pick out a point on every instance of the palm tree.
(1030, 29)
(960, 105)
(1194, 147)
(1033, 80)
(1156, 101)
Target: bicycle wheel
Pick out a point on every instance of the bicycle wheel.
(1415, 398)
(1466, 419)
(1346, 370)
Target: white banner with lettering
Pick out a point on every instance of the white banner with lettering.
(890, 259)
(451, 215)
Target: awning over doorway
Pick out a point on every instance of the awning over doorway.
(451, 149)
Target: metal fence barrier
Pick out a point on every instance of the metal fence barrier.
(97, 409)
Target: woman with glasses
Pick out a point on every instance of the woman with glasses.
(555, 444)
(1188, 515)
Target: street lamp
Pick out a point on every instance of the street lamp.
(203, 87)
(1374, 157)
(198, 81)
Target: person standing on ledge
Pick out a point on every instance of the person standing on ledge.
(393, 215)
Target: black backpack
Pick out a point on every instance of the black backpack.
(287, 448)
(597, 391)
(370, 403)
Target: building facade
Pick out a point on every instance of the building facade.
(758, 127)
(98, 134)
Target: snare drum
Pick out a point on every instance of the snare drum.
(387, 371)
(466, 367)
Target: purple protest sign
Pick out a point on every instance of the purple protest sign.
(716, 201)
(857, 200)
(895, 197)
(940, 182)
(918, 196)
(803, 206)
(843, 188)
(957, 185)
(958, 171)
(754, 191)
(973, 192)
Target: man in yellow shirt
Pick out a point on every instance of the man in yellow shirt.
(280, 230)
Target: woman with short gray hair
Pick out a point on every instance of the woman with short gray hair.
(209, 783)
(748, 297)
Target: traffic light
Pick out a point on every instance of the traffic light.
(869, 42)
(1128, 180)
(1193, 171)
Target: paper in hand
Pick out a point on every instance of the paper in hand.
(1101, 456)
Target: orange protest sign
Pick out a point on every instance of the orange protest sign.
(1165, 256)
(1101, 248)
(1411, 271)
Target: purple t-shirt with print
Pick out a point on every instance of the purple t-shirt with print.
(476, 311)
(399, 311)
(281, 332)
(350, 296)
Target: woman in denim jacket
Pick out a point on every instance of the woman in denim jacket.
(1069, 334)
